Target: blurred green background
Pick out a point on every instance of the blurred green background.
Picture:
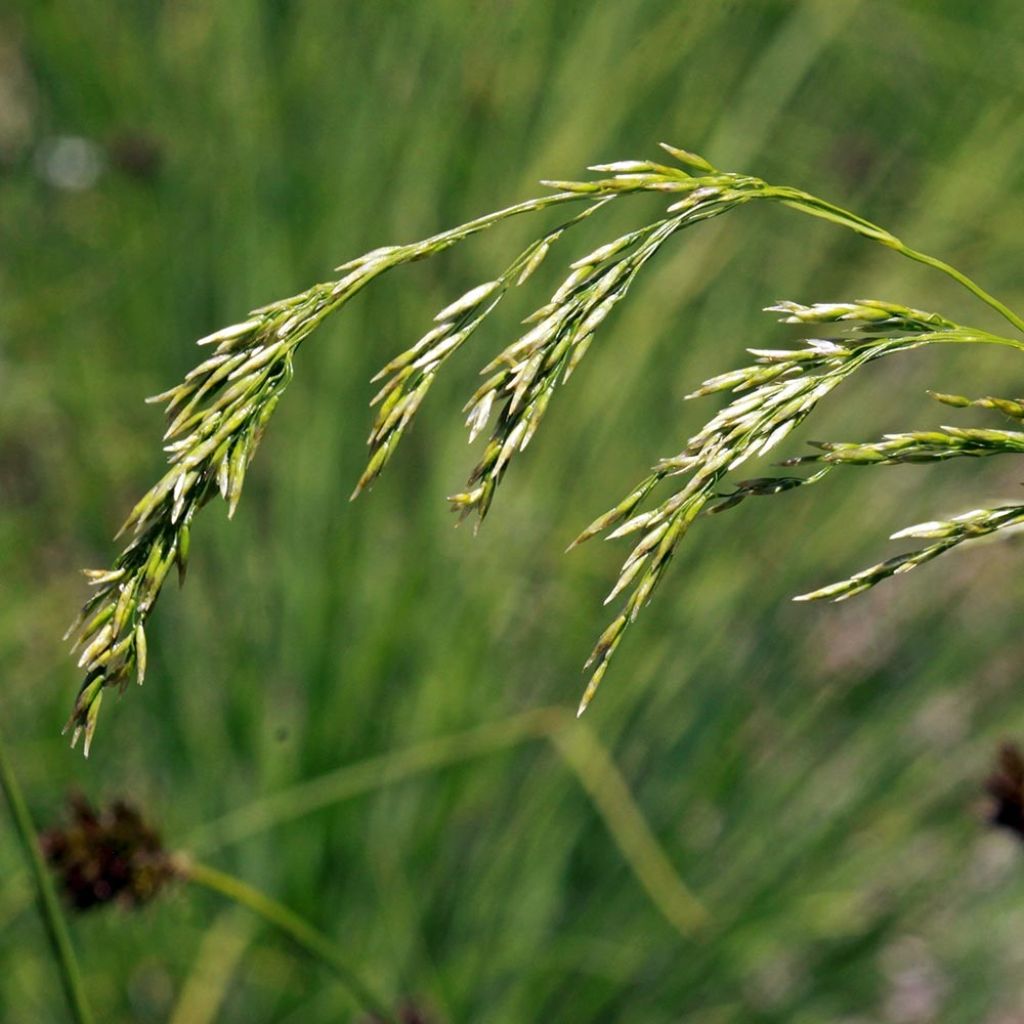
(811, 772)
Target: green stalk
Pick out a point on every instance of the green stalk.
(366, 776)
(49, 908)
(609, 793)
(576, 746)
(950, 271)
(303, 934)
(815, 207)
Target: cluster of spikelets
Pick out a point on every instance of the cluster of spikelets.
(107, 854)
(219, 412)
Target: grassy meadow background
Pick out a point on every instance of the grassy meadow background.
(812, 773)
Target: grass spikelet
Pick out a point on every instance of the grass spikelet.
(218, 413)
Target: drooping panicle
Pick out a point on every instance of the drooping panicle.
(773, 396)
(218, 413)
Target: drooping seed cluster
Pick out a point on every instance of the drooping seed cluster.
(775, 395)
(947, 534)
(410, 374)
(217, 418)
(219, 412)
(917, 446)
(524, 377)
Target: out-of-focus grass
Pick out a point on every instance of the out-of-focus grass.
(811, 772)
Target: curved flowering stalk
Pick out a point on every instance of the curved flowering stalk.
(947, 534)
(904, 448)
(775, 395)
(219, 412)
(217, 418)
(917, 447)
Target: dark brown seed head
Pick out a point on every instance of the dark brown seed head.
(1006, 788)
(408, 1013)
(107, 854)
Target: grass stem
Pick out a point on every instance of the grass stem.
(950, 271)
(49, 908)
(601, 780)
(573, 742)
(303, 934)
(218, 956)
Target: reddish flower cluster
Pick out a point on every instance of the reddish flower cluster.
(107, 854)
(1006, 787)
(408, 1013)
